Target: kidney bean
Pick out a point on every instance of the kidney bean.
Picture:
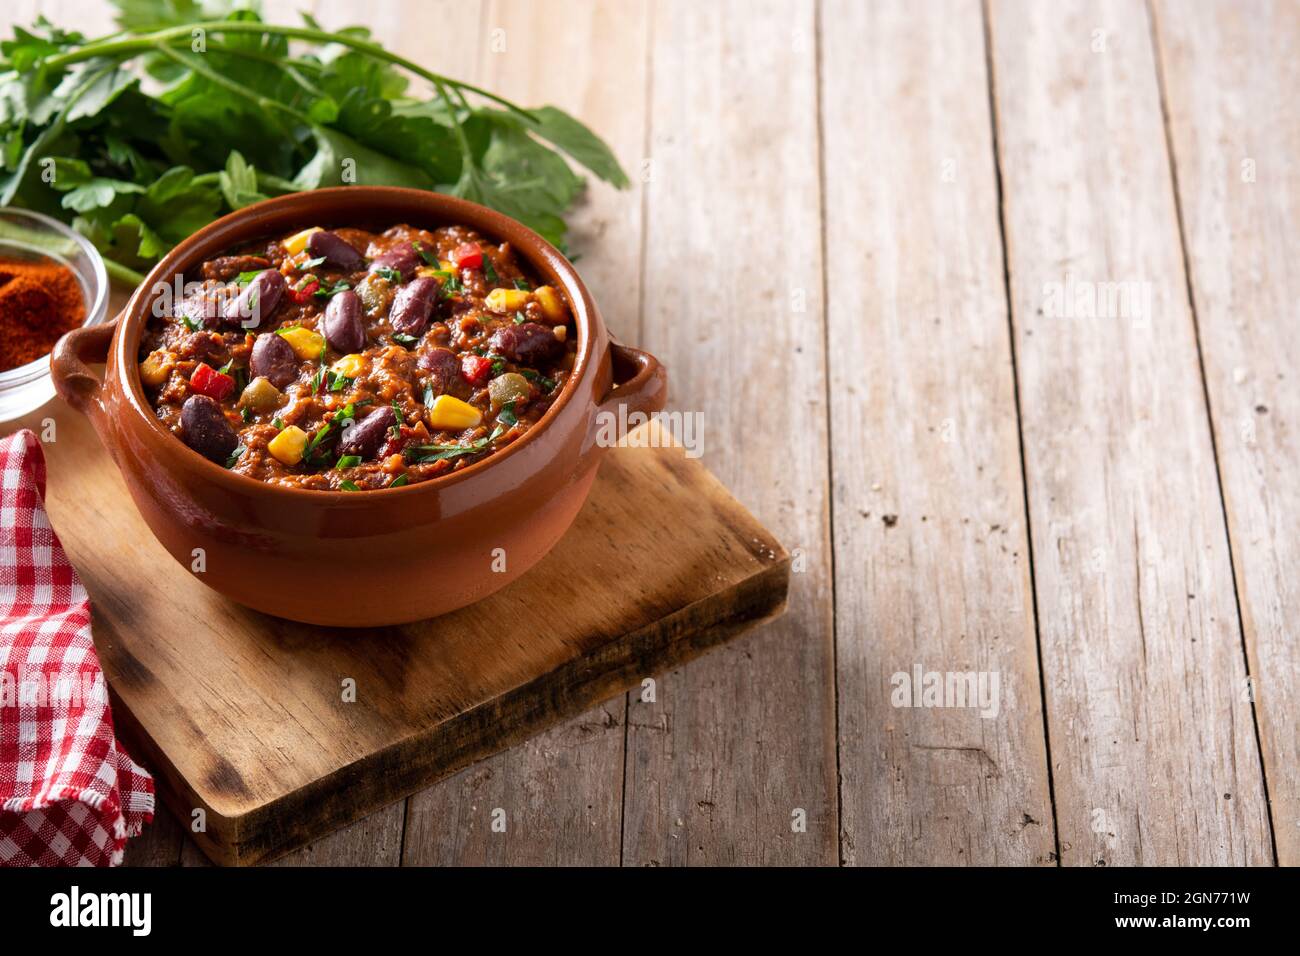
(274, 360)
(366, 436)
(443, 367)
(526, 344)
(252, 307)
(402, 258)
(335, 250)
(412, 306)
(342, 322)
(203, 309)
(205, 429)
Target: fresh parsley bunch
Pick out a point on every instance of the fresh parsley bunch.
(138, 140)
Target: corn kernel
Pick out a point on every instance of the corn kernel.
(349, 366)
(298, 241)
(156, 368)
(452, 414)
(447, 265)
(305, 343)
(287, 447)
(551, 303)
(507, 300)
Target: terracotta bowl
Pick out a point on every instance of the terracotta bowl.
(366, 558)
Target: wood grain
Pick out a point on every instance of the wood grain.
(734, 751)
(1150, 723)
(1231, 75)
(563, 790)
(931, 553)
(432, 29)
(244, 716)
(1152, 741)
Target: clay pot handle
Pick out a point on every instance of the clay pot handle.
(73, 380)
(642, 382)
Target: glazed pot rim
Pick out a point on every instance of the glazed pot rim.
(540, 255)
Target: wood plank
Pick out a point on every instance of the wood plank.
(931, 556)
(430, 31)
(243, 715)
(1153, 746)
(562, 791)
(375, 840)
(734, 748)
(1231, 75)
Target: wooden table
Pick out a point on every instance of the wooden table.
(991, 314)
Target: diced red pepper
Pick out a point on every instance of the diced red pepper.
(208, 381)
(467, 256)
(304, 290)
(475, 369)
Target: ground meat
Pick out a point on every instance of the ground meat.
(228, 268)
(393, 392)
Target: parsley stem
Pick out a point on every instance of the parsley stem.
(120, 272)
(143, 42)
(239, 89)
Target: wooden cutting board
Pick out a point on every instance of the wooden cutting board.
(244, 716)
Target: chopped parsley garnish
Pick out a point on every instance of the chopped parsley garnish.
(348, 461)
(278, 422)
(428, 395)
(523, 284)
(507, 415)
(489, 272)
(545, 384)
(428, 257)
(424, 454)
(190, 323)
(235, 456)
(246, 414)
(348, 485)
(316, 440)
(336, 382)
(311, 264)
(451, 285)
(324, 293)
(392, 275)
(403, 339)
(398, 481)
(519, 319)
(246, 277)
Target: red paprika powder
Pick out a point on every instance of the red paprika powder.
(39, 301)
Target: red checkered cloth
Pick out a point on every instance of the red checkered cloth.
(69, 794)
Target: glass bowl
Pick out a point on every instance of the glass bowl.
(27, 234)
